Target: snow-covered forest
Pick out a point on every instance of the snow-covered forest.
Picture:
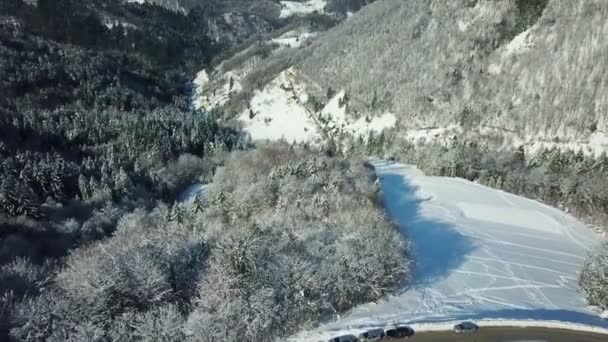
(97, 139)
(110, 109)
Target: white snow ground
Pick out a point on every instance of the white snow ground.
(480, 254)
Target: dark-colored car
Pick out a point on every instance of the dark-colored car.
(466, 328)
(372, 335)
(400, 332)
(344, 338)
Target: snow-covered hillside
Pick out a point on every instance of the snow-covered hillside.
(481, 254)
(281, 110)
(476, 64)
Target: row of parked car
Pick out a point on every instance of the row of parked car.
(401, 332)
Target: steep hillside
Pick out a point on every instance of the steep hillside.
(528, 69)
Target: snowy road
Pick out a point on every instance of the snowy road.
(480, 254)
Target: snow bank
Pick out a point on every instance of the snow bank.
(291, 8)
(481, 254)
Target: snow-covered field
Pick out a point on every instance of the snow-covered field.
(480, 254)
(300, 8)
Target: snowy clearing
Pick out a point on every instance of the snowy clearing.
(300, 8)
(482, 255)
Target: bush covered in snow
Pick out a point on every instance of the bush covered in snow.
(594, 278)
(288, 238)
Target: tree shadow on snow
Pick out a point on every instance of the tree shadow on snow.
(438, 248)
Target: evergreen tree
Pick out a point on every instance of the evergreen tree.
(198, 206)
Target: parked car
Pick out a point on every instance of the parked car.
(466, 328)
(372, 335)
(400, 332)
(344, 338)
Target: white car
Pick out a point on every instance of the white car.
(372, 335)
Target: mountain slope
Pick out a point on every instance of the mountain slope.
(480, 254)
(532, 68)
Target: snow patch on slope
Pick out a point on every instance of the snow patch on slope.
(291, 8)
(477, 258)
(519, 44)
(208, 96)
(335, 113)
(364, 126)
(276, 113)
(280, 111)
(202, 79)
